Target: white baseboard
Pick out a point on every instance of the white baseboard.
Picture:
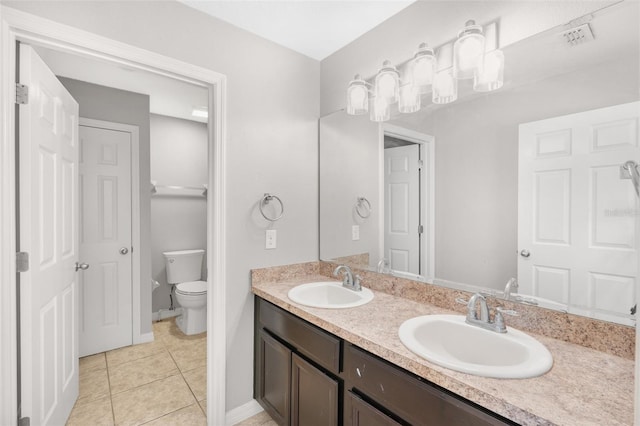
(145, 338)
(165, 313)
(243, 412)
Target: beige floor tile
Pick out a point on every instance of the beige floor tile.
(191, 415)
(163, 327)
(132, 353)
(190, 355)
(260, 419)
(148, 402)
(92, 363)
(96, 413)
(93, 385)
(175, 338)
(197, 381)
(136, 373)
(203, 405)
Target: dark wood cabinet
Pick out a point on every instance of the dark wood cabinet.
(360, 413)
(275, 370)
(305, 376)
(314, 395)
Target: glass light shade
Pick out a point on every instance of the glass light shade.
(387, 83)
(468, 51)
(409, 99)
(491, 75)
(445, 87)
(357, 96)
(423, 66)
(379, 110)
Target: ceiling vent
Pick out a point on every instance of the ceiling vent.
(578, 35)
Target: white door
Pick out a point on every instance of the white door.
(105, 238)
(402, 208)
(48, 231)
(576, 217)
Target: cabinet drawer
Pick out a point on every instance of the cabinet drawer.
(413, 400)
(314, 343)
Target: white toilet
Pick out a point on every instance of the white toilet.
(184, 270)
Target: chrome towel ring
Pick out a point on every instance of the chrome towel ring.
(265, 200)
(363, 207)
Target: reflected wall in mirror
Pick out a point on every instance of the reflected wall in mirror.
(522, 182)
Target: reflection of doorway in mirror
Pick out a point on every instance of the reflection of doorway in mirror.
(577, 232)
(408, 204)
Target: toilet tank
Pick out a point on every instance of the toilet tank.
(183, 265)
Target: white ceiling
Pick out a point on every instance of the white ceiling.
(315, 28)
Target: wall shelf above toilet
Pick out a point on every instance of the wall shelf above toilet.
(178, 191)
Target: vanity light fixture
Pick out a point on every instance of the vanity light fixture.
(357, 96)
(473, 55)
(468, 51)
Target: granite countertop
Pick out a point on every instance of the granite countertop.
(584, 386)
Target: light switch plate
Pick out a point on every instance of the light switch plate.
(270, 239)
(355, 232)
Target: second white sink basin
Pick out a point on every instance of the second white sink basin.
(447, 340)
(329, 294)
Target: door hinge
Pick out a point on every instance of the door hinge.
(22, 261)
(24, 421)
(420, 229)
(22, 94)
(420, 164)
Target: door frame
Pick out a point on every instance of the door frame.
(20, 26)
(427, 194)
(136, 242)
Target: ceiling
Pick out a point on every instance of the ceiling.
(315, 28)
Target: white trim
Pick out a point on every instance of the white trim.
(165, 313)
(243, 412)
(145, 338)
(427, 201)
(16, 25)
(136, 241)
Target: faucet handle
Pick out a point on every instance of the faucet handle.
(462, 301)
(510, 312)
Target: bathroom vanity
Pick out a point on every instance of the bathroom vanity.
(305, 374)
(349, 367)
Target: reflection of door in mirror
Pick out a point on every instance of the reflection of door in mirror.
(408, 201)
(576, 224)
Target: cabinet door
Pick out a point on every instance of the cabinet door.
(314, 395)
(360, 413)
(274, 362)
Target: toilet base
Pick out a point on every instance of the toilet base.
(192, 321)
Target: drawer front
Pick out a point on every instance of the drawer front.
(409, 398)
(309, 340)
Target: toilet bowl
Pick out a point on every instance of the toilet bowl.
(192, 296)
(184, 272)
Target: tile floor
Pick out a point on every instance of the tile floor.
(158, 383)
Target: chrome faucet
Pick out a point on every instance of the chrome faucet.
(496, 325)
(511, 287)
(348, 279)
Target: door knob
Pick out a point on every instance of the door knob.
(525, 253)
(83, 266)
(124, 250)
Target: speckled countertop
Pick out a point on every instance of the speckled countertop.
(584, 387)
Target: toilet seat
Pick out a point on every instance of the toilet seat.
(192, 288)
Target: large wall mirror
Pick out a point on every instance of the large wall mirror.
(523, 182)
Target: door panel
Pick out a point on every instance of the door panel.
(105, 304)
(575, 215)
(48, 202)
(402, 208)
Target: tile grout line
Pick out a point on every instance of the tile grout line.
(113, 412)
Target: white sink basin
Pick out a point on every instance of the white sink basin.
(448, 341)
(330, 295)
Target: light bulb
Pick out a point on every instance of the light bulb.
(468, 51)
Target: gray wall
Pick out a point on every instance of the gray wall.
(178, 157)
(272, 135)
(119, 106)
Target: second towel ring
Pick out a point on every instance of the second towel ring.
(366, 205)
(265, 200)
